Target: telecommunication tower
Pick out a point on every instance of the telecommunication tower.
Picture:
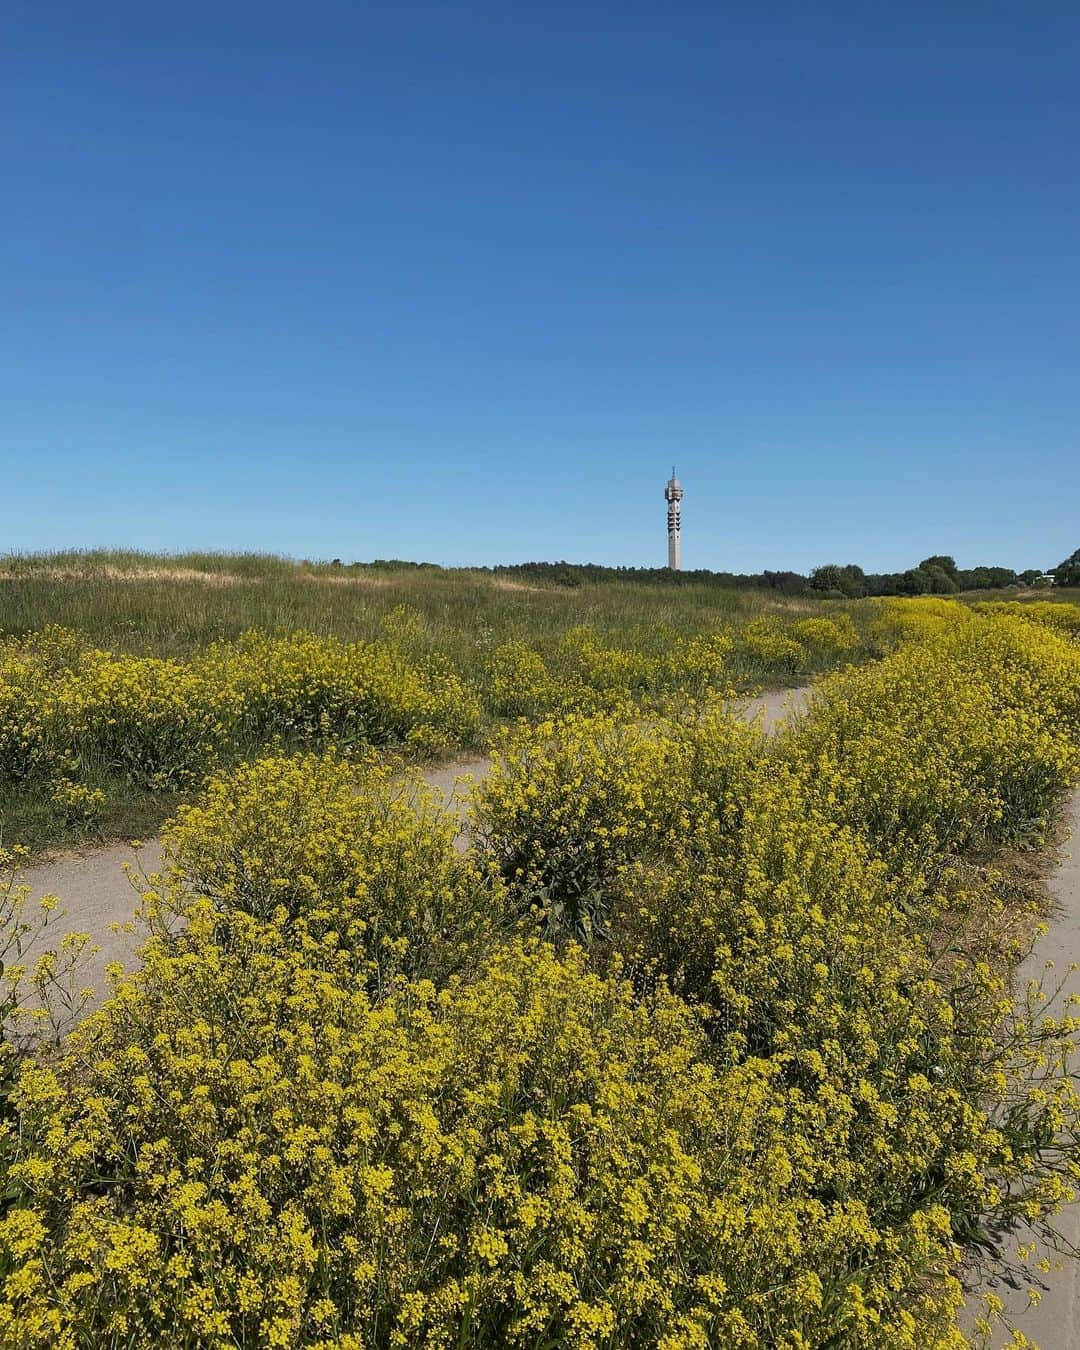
(673, 495)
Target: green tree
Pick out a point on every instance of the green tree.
(940, 562)
(1067, 573)
(915, 582)
(853, 580)
(828, 577)
(941, 582)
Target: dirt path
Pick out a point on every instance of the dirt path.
(1054, 1324)
(96, 892)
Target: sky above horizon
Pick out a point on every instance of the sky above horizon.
(460, 283)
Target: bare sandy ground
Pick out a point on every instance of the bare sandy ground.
(1054, 1323)
(130, 574)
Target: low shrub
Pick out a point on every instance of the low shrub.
(535, 1157)
(517, 683)
(827, 636)
(1058, 615)
(338, 848)
(569, 802)
(163, 724)
(767, 643)
(950, 743)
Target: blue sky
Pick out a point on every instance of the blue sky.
(460, 282)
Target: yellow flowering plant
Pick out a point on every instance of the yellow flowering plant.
(534, 1156)
(570, 801)
(340, 850)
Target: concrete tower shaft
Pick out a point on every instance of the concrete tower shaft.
(673, 495)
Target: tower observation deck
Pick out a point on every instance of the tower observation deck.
(673, 495)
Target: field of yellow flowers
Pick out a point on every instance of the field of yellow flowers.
(704, 1040)
(91, 738)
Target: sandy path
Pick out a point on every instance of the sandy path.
(95, 891)
(1054, 1324)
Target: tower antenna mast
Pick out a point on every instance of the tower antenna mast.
(673, 495)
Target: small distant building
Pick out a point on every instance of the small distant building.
(1046, 579)
(673, 495)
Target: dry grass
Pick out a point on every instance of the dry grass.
(133, 574)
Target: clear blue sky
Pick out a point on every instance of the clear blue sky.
(461, 281)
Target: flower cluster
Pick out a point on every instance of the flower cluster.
(1060, 615)
(968, 738)
(570, 802)
(336, 851)
(65, 710)
(767, 641)
(587, 673)
(653, 665)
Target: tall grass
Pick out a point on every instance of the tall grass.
(172, 605)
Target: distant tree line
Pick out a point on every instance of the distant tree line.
(937, 575)
(576, 574)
